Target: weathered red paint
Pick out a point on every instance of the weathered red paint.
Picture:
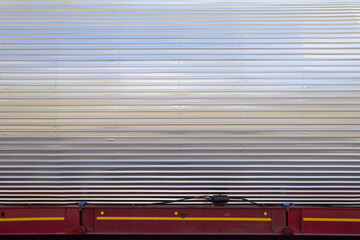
(282, 223)
(94, 226)
(70, 224)
(329, 228)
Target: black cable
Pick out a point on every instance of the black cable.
(170, 201)
(330, 205)
(247, 200)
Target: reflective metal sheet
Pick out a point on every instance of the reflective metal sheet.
(139, 101)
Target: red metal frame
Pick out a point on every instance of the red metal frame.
(184, 220)
(325, 221)
(40, 221)
(179, 220)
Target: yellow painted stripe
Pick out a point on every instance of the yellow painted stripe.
(32, 219)
(332, 219)
(186, 219)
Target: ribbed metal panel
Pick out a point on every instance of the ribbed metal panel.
(140, 101)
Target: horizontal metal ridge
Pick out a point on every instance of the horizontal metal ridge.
(139, 102)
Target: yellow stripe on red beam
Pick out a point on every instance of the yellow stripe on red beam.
(331, 219)
(186, 219)
(32, 219)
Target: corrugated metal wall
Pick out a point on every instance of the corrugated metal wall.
(138, 102)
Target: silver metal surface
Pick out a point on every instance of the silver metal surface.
(144, 101)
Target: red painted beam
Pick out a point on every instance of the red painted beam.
(176, 220)
(179, 220)
(40, 221)
(325, 221)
